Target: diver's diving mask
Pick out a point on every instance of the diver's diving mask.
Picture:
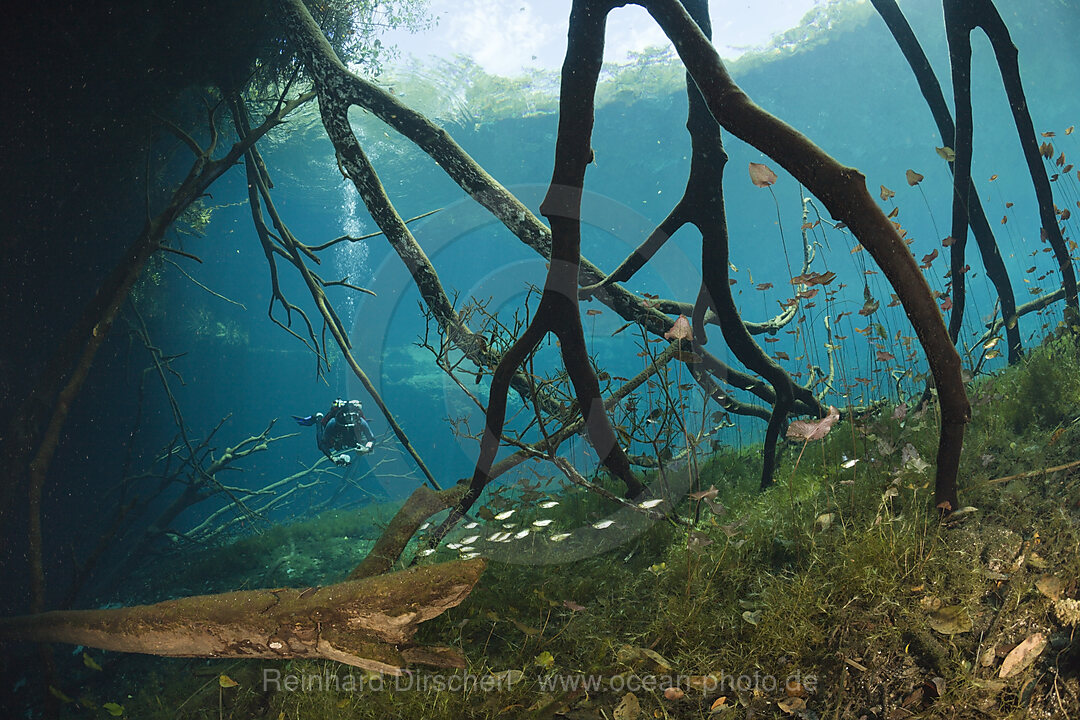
(352, 413)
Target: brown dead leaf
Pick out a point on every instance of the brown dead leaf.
(1021, 656)
(791, 705)
(629, 708)
(761, 175)
(950, 620)
(1050, 586)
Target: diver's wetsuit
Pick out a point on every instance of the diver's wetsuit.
(342, 429)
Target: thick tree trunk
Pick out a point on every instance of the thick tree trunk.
(367, 623)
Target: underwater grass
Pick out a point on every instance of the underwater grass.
(845, 581)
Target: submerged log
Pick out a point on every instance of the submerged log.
(366, 623)
(421, 505)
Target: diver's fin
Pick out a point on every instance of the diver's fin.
(305, 421)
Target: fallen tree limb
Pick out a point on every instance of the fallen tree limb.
(366, 623)
(1032, 473)
(422, 504)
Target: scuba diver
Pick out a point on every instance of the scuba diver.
(343, 428)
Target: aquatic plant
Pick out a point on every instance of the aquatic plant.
(581, 397)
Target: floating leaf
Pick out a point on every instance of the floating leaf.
(593, 312)
(114, 709)
(680, 330)
(807, 431)
(946, 153)
(886, 193)
(703, 494)
(573, 606)
(1021, 656)
(870, 305)
(951, 620)
(673, 693)
(913, 178)
(226, 682)
(697, 541)
(90, 662)
(814, 278)
(761, 175)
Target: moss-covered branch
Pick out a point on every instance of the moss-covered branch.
(366, 623)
